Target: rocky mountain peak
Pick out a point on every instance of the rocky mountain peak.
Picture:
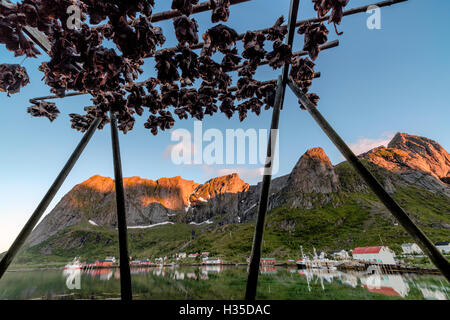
(229, 184)
(314, 173)
(98, 183)
(407, 152)
(318, 154)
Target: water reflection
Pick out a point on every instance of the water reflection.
(221, 282)
(384, 284)
(433, 294)
(389, 285)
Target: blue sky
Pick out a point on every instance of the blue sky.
(376, 83)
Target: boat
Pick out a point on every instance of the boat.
(74, 265)
(301, 264)
(145, 262)
(108, 262)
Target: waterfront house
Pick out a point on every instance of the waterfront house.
(182, 255)
(145, 262)
(205, 254)
(411, 248)
(379, 254)
(264, 261)
(339, 254)
(103, 263)
(193, 255)
(443, 246)
(212, 261)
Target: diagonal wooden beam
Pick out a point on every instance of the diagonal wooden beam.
(252, 281)
(125, 275)
(422, 240)
(45, 202)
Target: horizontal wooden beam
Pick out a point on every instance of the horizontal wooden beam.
(73, 94)
(202, 7)
(300, 22)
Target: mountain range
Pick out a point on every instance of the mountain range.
(316, 205)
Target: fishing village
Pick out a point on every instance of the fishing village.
(374, 270)
(376, 259)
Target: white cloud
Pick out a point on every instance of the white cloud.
(246, 174)
(186, 146)
(365, 144)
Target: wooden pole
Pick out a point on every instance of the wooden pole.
(201, 7)
(416, 233)
(125, 276)
(45, 202)
(252, 281)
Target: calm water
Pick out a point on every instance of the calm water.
(219, 282)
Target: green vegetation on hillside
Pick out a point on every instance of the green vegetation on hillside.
(360, 221)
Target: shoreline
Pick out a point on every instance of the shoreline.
(383, 269)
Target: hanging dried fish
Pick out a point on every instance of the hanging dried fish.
(281, 55)
(219, 37)
(13, 77)
(44, 109)
(315, 35)
(186, 30)
(184, 6)
(220, 10)
(278, 31)
(302, 72)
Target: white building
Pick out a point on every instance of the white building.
(411, 248)
(381, 254)
(339, 254)
(181, 255)
(321, 255)
(443, 247)
(212, 261)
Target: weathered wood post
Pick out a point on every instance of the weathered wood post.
(422, 240)
(125, 276)
(45, 202)
(252, 281)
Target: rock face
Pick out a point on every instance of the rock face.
(93, 201)
(313, 182)
(406, 153)
(310, 184)
(219, 197)
(147, 202)
(230, 184)
(313, 173)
